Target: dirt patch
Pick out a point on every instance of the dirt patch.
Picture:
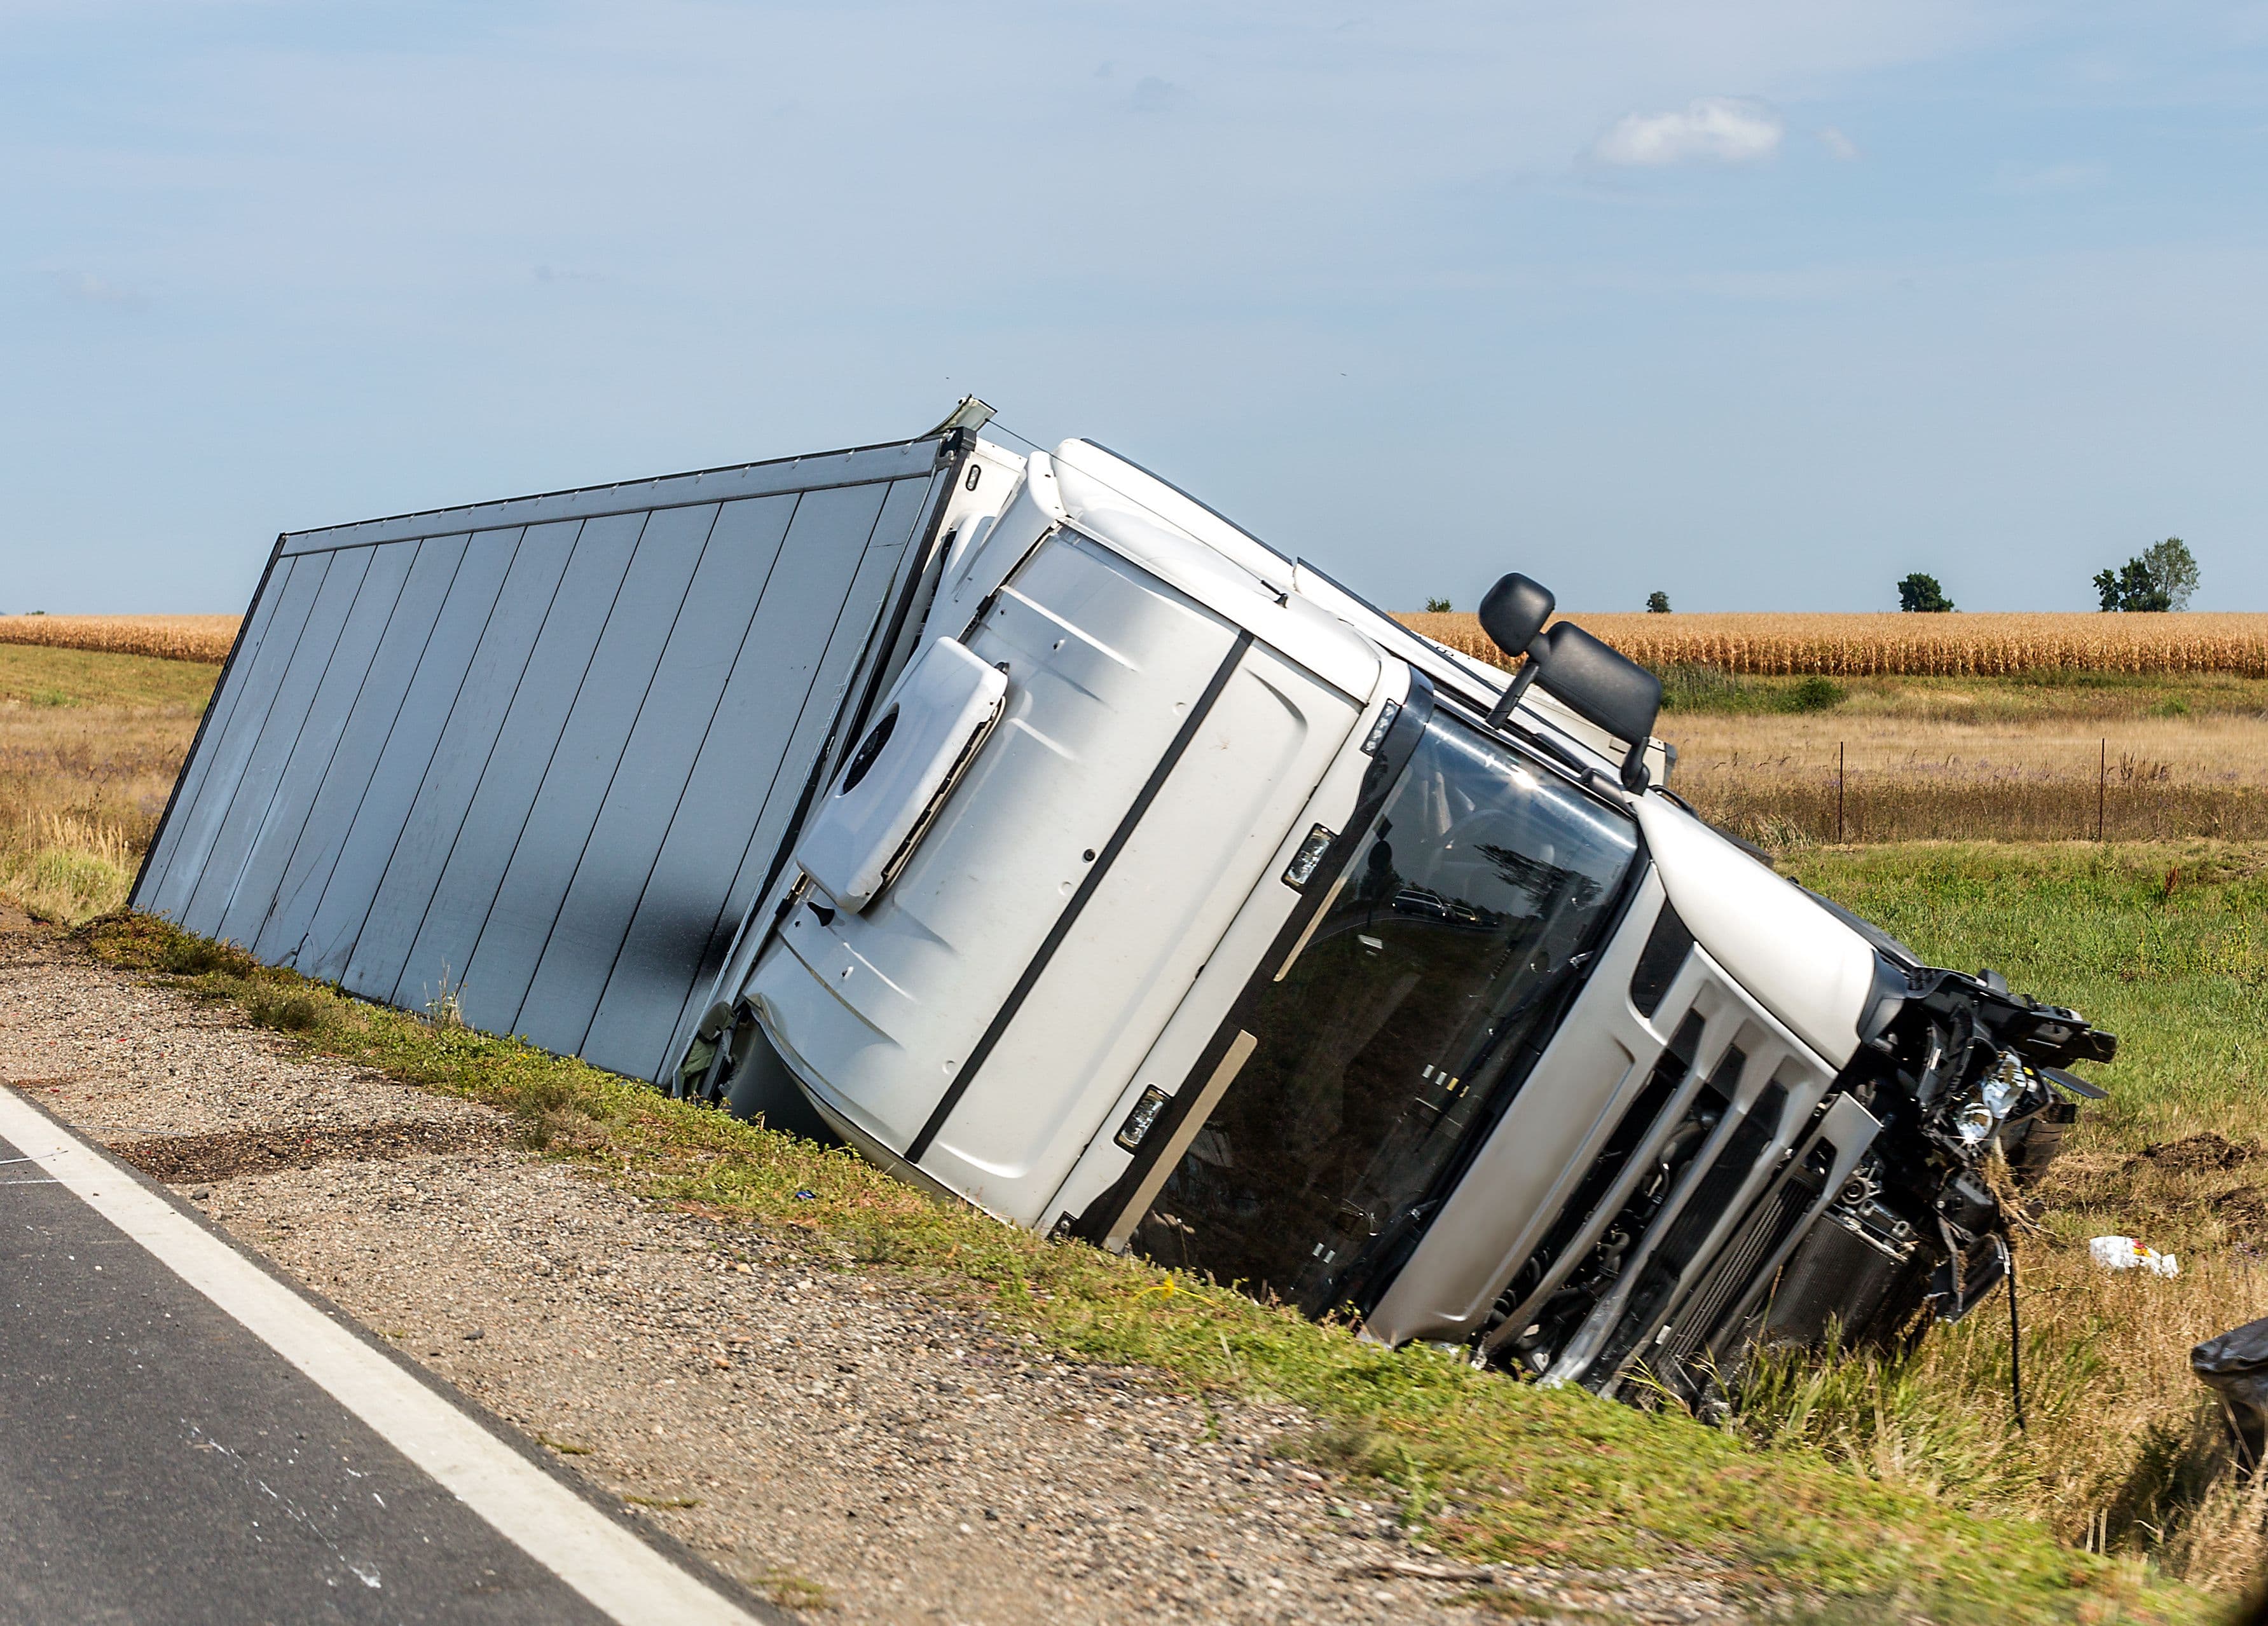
(2197, 1152)
(2243, 1208)
(181, 1158)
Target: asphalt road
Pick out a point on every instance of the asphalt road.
(160, 1462)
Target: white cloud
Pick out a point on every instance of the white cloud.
(1836, 143)
(88, 289)
(1711, 129)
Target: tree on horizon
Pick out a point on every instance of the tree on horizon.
(1921, 594)
(2162, 577)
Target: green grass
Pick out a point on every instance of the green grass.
(1711, 688)
(36, 675)
(1489, 1467)
(2033, 697)
(2165, 943)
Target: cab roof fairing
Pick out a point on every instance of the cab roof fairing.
(1148, 523)
(1126, 507)
(1133, 512)
(1789, 951)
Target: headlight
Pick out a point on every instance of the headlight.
(2004, 1087)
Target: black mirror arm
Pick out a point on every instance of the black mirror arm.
(1636, 776)
(1509, 701)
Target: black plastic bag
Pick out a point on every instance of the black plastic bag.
(2234, 1366)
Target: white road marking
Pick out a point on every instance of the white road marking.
(609, 1564)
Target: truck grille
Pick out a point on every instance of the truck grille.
(1658, 1280)
(1771, 1223)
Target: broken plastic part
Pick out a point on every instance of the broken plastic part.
(2073, 1083)
(2004, 1088)
(2124, 1253)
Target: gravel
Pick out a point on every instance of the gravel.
(830, 1436)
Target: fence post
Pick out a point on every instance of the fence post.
(2101, 786)
(1839, 793)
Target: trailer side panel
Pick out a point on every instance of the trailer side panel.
(535, 754)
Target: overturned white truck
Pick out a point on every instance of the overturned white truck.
(1100, 865)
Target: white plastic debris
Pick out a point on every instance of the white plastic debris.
(2124, 1253)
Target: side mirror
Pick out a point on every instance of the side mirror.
(1602, 685)
(1512, 615)
(1514, 611)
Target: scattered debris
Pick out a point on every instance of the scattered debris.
(2124, 1253)
(2234, 1366)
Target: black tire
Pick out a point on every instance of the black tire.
(761, 1089)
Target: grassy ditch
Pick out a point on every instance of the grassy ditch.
(2167, 946)
(1489, 1467)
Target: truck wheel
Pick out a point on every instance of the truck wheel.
(763, 1090)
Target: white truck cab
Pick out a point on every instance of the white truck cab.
(1176, 899)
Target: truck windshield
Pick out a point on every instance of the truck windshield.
(1405, 1022)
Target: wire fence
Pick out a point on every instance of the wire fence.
(1793, 798)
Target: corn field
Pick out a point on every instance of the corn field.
(1758, 643)
(1900, 645)
(173, 638)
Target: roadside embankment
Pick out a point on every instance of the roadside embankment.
(867, 1442)
(1146, 1443)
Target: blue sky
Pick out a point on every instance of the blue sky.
(1764, 303)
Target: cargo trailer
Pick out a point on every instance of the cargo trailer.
(1070, 851)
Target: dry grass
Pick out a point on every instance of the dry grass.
(90, 744)
(2123, 1451)
(1954, 645)
(169, 637)
(2037, 756)
(1909, 777)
